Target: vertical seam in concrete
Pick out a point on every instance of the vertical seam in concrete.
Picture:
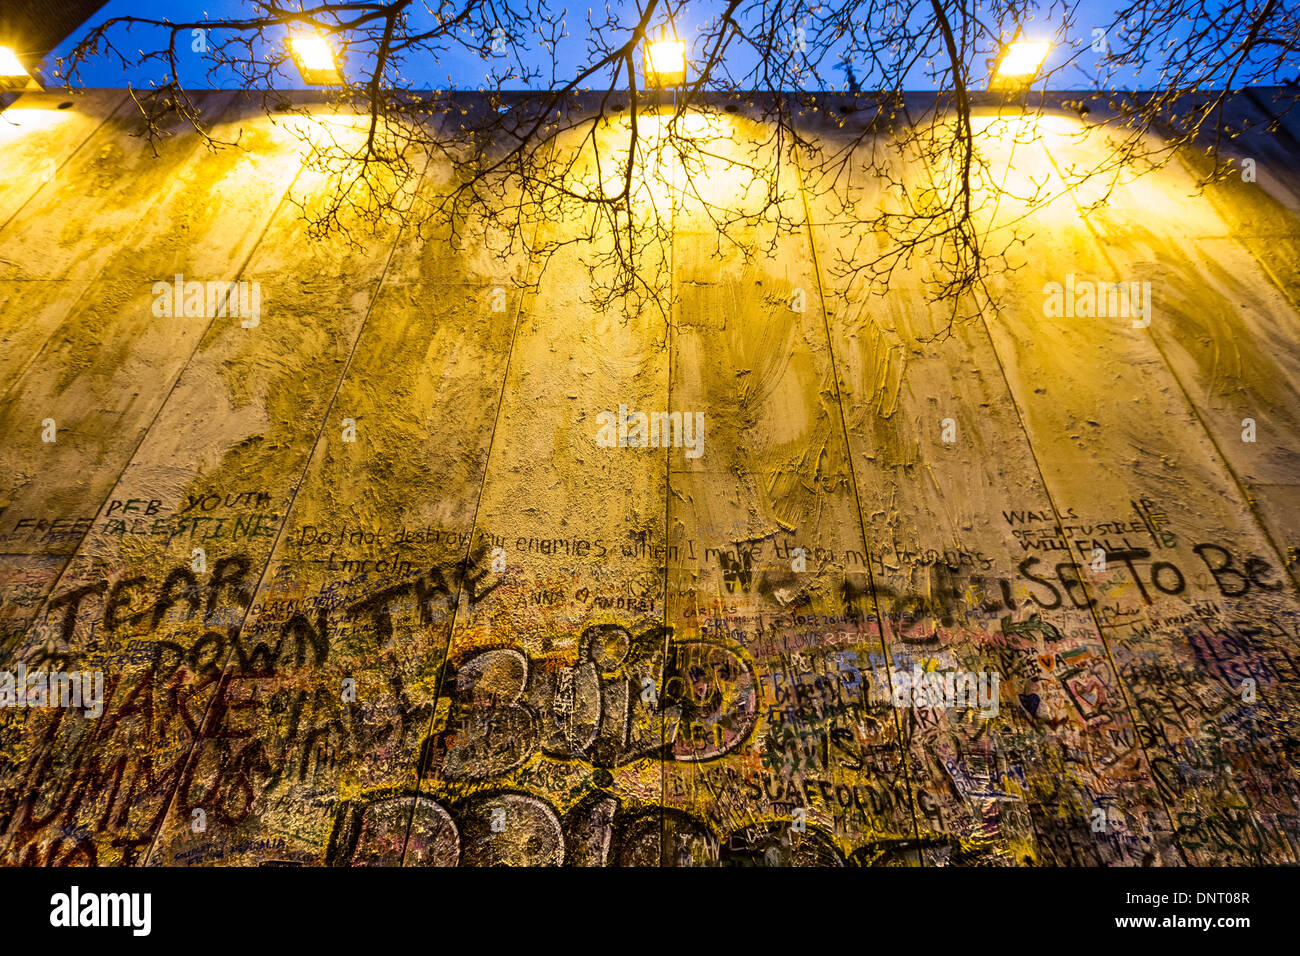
(1242, 490)
(1286, 294)
(1223, 459)
(284, 523)
(1291, 298)
(1056, 513)
(144, 435)
(904, 749)
(1218, 203)
(1092, 604)
(461, 589)
(1200, 420)
(293, 495)
(1078, 570)
(161, 405)
(670, 317)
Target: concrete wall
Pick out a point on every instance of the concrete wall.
(364, 588)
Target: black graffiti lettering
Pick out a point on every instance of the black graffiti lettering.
(190, 592)
(1255, 567)
(228, 575)
(1127, 558)
(1071, 583)
(1179, 583)
(1025, 568)
(1223, 569)
(118, 598)
(471, 580)
(214, 644)
(376, 605)
(517, 828)
(72, 601)
(737, 570)
(429, 588)
(300, 632)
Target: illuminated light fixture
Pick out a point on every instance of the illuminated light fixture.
(665, 60)
(314, 57)
(1018, 64)
(13, 75)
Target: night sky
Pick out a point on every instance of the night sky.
(465, 70)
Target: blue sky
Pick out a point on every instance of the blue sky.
(461, 69)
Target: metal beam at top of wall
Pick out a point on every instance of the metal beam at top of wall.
(35, 27)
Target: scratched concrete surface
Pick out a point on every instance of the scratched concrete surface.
(365, 588)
